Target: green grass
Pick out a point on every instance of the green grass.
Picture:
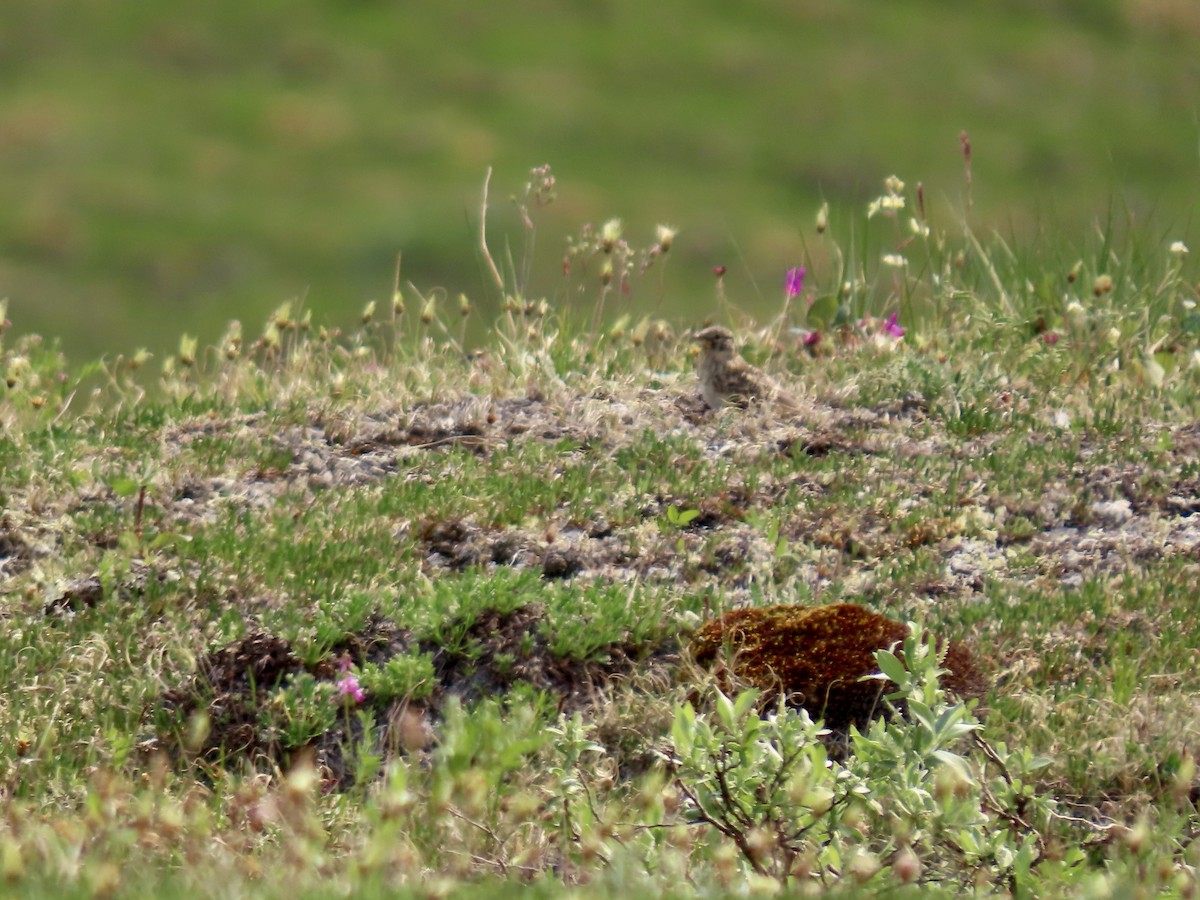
(168, 174)
(510, 547)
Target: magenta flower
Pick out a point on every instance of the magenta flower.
(812, 338)
(349, 687)
(892, 328)
(794, 283)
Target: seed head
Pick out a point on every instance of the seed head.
(666, 237)
(610, 234)
(823, 218)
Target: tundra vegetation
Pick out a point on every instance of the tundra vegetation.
(296, 612)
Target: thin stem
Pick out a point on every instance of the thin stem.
(483, 234)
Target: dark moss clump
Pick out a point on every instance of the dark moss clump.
(814, 656)
(494, 651)
(230, 687)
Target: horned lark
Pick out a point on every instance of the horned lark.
(727, 378)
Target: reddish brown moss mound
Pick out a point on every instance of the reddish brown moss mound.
(815, 656)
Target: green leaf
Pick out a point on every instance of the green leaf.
(725, 711)
(682, 730)
(744, 703)
(890, 665)
(921, 713)
(1022, 863)
(822, 312)
(955, 762)
(124, 487)
(1037, 764)
(681, 518)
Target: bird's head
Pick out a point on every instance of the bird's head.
(716, 342)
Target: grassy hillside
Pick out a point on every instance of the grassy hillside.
(375, 615)
(165, 174)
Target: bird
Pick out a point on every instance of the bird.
(726, 378)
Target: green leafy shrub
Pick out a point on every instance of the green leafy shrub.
(922, 798)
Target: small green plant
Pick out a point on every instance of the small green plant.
(332, 620)
(476, 778)
(403, 676)
(680, 518)
(301, 709)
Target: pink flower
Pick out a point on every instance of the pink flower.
(1050, 337)
(891, 327)
(812, 338)
(794, 283)
(349, 687)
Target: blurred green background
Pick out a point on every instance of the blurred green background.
(166, 167)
